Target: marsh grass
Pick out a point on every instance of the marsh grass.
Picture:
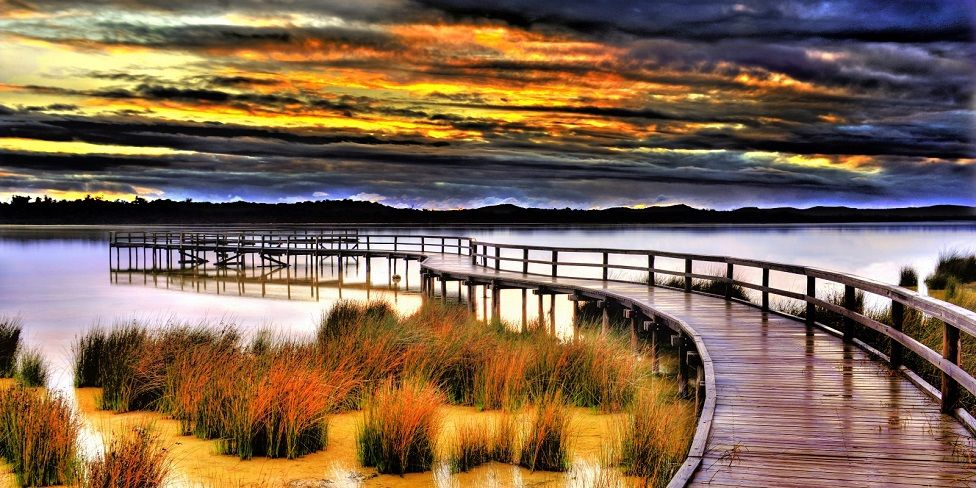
(545, 440)
(655, 437)
(38, 437)
(31, 371)
(953, 264)
(477, 443)
(272, 396)
(711, 287)
(10, 342)
(135, 459)
(400, 428)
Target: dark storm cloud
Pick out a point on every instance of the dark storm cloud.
(861, 20)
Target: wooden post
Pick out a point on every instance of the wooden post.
(850, 303)
(525, 260)
(498, 261)
(606, 264)
(811, 318)
(496, 301)
(730, 277)
(525, 309)
(682, 367)
(541, 313)
(950, 351)
(633, 329)
(655, 353)
(471, 302)
(555, 259)
(897, 321)
(650, 270)
(605, 324)
(765, 292)
(552, 314)
(443, 289)
(473, 250)
(687, 275)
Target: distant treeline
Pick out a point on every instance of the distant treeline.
(23, 210)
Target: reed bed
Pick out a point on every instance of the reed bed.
(10, 342)
(32, 371)
(272, 396)
(38, 435)
(133, 460)
(400, 428)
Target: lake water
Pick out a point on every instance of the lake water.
(58, 280)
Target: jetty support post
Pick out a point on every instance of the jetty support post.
(950, 351)
(681, 343)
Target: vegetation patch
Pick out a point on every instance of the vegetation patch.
(10, 329)
(38, 437)
(955, 265)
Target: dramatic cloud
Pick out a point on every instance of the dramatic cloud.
(448, 103)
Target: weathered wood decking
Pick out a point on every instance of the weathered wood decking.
(795, 406)
(786, 404)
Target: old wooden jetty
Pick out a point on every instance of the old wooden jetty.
(785, 399)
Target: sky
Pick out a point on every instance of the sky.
(466, 103)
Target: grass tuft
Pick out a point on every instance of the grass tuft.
(545, 445)
(952, 264)
(907, 277)
(655, 437)
(38, 437)
(31, 369)
(134, 460)
(10, 329)
(400, 427)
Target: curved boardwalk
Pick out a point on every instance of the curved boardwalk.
(795, 406)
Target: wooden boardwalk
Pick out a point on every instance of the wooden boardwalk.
(785, 402)
(795, 406)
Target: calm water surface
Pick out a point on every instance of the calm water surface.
(58, 280)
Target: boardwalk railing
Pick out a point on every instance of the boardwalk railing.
(681, 270)
(622, 264)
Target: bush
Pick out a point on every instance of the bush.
(10, 329)
(400, 428)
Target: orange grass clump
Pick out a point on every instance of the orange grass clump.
(135, 459)
(400, 428)
(655, 437)
(38, 437)
(545, 445)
